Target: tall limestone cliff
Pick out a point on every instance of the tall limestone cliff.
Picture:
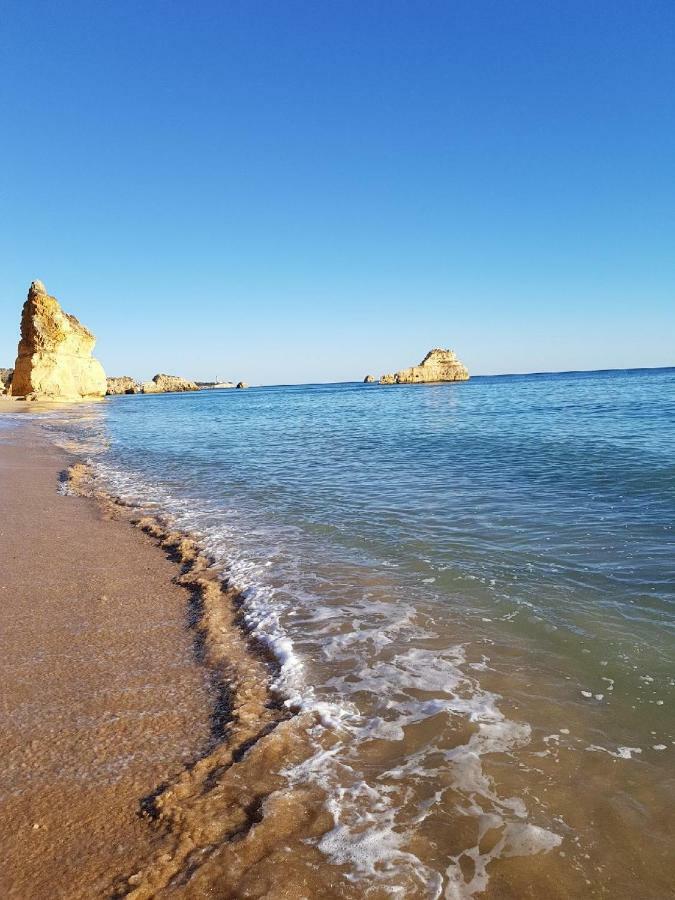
(437, 365)
(54, 359)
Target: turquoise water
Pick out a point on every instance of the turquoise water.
(498, 552)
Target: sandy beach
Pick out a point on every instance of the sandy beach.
(143, 747)
(103, 699)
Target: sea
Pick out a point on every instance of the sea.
(469, 586)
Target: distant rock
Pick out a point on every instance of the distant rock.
(124, 384)
(165, 384)
(242, 384)
(54, 359)
(5, 379)
(437, 365)
(369, 379)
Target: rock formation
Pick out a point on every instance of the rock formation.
(369, 379)
(5, 379)
(437, 365)
(242, 384)
(164, 384)
(123, 384)
(160, 384)
(54, 359)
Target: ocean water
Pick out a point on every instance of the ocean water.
(472, 586)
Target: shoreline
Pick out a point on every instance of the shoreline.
(226, 815)
(245, 714)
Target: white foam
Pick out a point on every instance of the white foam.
(372, 820)
(627, 752)
(440, 671)
(517, 839)
(372, 848)
(619, 753)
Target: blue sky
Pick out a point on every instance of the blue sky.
(309, 191)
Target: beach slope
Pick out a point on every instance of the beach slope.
(103, 700)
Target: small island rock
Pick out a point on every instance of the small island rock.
(369, 379)
(242, 384)
(437, 365)
(165, 384)
(54, 360)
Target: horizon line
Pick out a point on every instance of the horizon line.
(474, 377)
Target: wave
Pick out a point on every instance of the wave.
(373, 803)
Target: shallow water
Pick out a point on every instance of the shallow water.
(472, 585)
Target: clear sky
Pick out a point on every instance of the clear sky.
(310, 190)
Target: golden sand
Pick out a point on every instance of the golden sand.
(141, 741)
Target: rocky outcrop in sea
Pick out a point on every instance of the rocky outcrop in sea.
(164, 384)
(159, 384)
(54, 360)
(437, 365)
(369, 379)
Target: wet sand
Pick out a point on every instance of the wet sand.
(103, 700)
(143, 749)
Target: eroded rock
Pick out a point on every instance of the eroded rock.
(369, 379)
(164, 384)
(123, 384)
(5, 379)
(54, 360)
(437, 365)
